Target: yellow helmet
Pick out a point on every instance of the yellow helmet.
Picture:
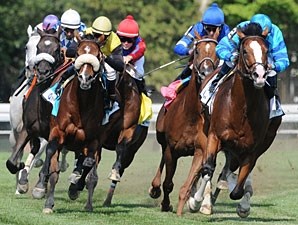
(102, 25)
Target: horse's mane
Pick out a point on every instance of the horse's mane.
(252, 29)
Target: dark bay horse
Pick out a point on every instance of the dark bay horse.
(123, 133)
(240, 120)
(36, 110)
(181, 130)
(78, 123)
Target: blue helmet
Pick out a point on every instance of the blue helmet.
(213, 16)
(263, 20)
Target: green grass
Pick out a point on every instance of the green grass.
(274, 202)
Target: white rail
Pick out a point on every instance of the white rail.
(289, 120)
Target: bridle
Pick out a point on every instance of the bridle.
(250, 69)
(197, 66)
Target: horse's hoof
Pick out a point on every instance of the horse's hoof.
(74, 177)
(107, 203)
(243, 213)
(23, 188)
(167, 208)
(114, 175)
(193, 205)
(38, 163)
(222, 185)
(73, 192)
(154, 192)
(89, 208)
(47, 211)
(38, 193)
(206, 209)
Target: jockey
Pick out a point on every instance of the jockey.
(227, 50)
(48, 25)
(134, 47)
(112, 49)
(70, 24)
(212, 19)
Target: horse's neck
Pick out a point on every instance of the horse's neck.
(244, 94)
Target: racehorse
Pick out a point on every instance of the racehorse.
(240, 120)
(124, 133)
(77, 124)
(181, 129)
(16, 99)
(35, 124)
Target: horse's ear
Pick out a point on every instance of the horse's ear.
(240, 33)
(77, 36)
(216, 34)
(29, 30)
(198, 36)
(59, 31)
(40, 32)
(265, 32)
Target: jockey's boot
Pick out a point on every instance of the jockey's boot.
(141, 86)
(111, 93)
(68, 73)
(224, 70)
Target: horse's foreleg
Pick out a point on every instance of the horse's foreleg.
(243, 208)
(168, 185)
(53, 179)
(63, 163)
(12, 164)
(191, 181)
(40, 188)
(244, 171)
(155, 190)
(108, 200)
(91, 183)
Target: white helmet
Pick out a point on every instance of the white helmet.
(70, 19)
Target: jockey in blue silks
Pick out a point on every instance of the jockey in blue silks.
(227, 50)
(212, 19)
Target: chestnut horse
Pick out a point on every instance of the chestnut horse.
(181, 130)
(240, 120)
(78, 123)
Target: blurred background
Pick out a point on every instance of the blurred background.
(162, 23)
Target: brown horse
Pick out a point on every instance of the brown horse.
(181, 130)
(78, 123)
(123, 133)
(240, 120)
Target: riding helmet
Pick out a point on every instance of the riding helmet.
(263, 20)
(128, 27)
(50, 22)
(102, 25)
(71, 19)
(213, 16)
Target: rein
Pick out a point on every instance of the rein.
(57, 71)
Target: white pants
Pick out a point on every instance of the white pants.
(111, 73)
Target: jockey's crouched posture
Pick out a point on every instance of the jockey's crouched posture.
(110, 46)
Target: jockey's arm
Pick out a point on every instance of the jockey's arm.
(139, 50)
(115, 60)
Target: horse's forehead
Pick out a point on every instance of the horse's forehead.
(48, 44)
(88, 48)
(257, 50)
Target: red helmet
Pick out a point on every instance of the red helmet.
(128, 27)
